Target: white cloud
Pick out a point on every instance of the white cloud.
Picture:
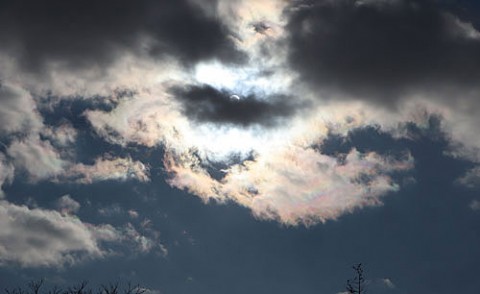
(36, 237)
(471, 179)
(132, 213)
(111, 210)
(143, 243)
(67, 205)
(152, 291)
(37, 157)
(146, 119)
(63, 135)
(45, 153)
(42, 161)
(107, 168)
(388, 283)
(18, 112)
(40, 237)
(294, 185)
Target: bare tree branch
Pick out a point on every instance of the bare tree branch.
(55, 290)
(112, 288)
(357, 285)
(79, 289)
(35, 286)
(134, 289)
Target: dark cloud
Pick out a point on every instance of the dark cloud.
(260, 27)
(93, 33)
(206, 104)
(382, 50)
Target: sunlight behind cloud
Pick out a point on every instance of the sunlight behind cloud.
(243, 80)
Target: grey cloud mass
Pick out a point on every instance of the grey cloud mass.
(38, 237)
(17, 113)
(80, 34)
(382, 50)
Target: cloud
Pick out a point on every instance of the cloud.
(294, 185)
(205, 104)
(305, 58)
(382, 51)
(388, 283)
(36, 157)
(39, 237)
(146, 119)
(105, 168)
(392, 55)
(246, 16)
(471, 179)
(40, 160)
(111, 210)
(63, 135)
(91, 33)
(276, 172)
(44, 152)
(133, 213)
(475, 205)
(143, 244)
(152, 291)
(18, 112)
(67, 205)
(6, 173)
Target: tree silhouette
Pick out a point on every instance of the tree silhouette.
(36, 287)
(357, 285)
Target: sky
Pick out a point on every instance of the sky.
(240, 146)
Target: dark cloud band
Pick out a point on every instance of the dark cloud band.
(93, 33)
(204, 103)
(382, 50)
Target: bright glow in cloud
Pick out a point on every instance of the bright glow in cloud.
(243, 81)
(293, 185)
(276, 172)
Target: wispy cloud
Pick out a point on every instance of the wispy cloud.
(471, 178)
(103, 169)
(475, 205)
(388, 283)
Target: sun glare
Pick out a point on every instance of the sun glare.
(221, 142)
(242, 81)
